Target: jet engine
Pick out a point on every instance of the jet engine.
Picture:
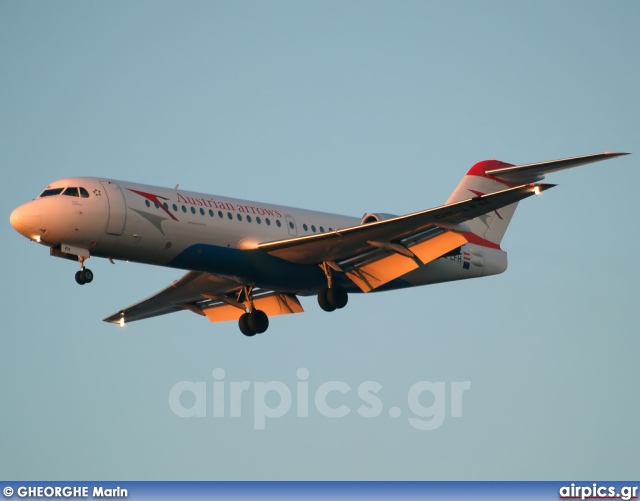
(373, 217)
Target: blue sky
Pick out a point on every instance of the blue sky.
(348, 107)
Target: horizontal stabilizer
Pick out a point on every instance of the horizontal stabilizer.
(529, 173)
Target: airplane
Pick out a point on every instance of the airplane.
(247, 261)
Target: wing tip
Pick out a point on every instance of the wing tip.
(615, 153)
(115, 318)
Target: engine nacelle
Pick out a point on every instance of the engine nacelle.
(375, 216)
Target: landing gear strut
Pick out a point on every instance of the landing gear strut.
(253, 321)
(84, 275)
(333, 296)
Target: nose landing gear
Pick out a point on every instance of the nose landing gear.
(83, 275)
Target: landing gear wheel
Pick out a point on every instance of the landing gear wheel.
(80, 277)
(323, 300)
(88, 275)
(84, 276)
(337, 297)
(254, 322)
(332, 299)
(243, 323)
(258, 321)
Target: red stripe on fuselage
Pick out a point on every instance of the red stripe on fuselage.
(472, 238)
(155, 199)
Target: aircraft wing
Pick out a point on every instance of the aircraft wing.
(373, 254)
(535, 172)
(218, 298)
(393, 233)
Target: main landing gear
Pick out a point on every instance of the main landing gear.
(333, 297)
(254, 321)
(83, 275)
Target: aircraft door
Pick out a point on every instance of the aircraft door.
(117, 208)
(291, 225)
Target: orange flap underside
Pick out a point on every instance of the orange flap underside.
(373, 275)
(272, 304)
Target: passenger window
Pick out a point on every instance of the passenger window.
(278, 224)
(193, 210)
(321, 229)
(84, 193)
(201, 211)
(220, 214)
(51, 192)
(71, 192)
(313, 228)
(210, 212)
(147, 203)
(258, 220)
(267, 221)
(166, 206)
(175, 208)
(248, 219)
(239, 217)
(306, 228)
(156, 205)
(229, 215)
(184, 209)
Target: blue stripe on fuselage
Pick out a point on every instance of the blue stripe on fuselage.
(256, 267)
(251, 267)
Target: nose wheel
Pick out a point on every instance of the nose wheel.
(83, 275)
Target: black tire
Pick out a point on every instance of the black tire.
(80, 277)
(323, 300)
(258, 321)
(243, 323)
(88, 276)
(337, 297)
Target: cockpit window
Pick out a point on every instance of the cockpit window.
(51, 192)
(70, 192)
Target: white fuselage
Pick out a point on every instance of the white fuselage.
(208, 233)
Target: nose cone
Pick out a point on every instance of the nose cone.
(26, 220)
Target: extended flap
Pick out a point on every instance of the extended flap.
(437, 246)
(381, 271)
(272, 304)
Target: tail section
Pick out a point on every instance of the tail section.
(488, 229)
(490, 176)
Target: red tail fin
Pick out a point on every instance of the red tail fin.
(490, 228)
